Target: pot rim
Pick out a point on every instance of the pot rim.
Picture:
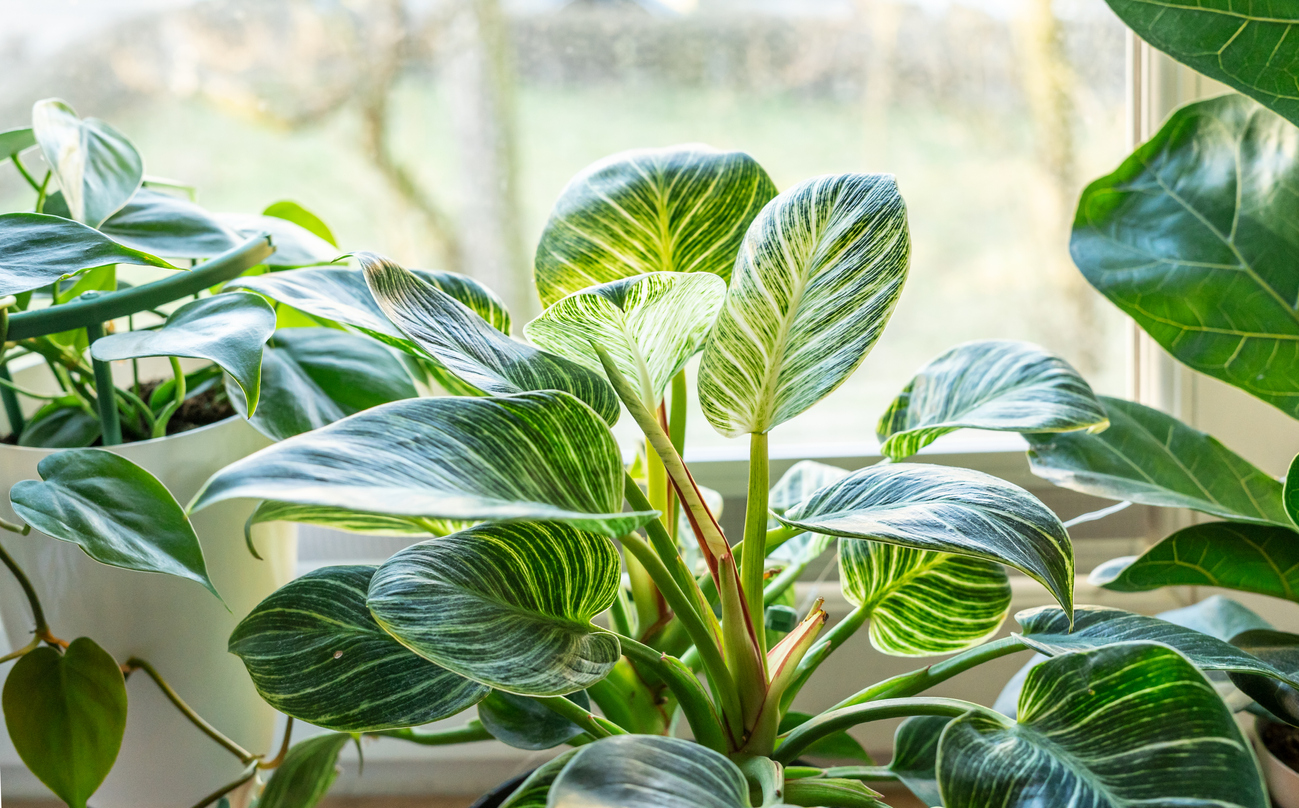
(7, 447)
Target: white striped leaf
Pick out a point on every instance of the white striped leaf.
(306, 774)
(370, 524)
(542, 455)
(477, 354)
(949, 510)
(314, 652)
(532, 792)
(817, 278)
(646, 771)
(649, 325)
(1126, 725)
(506, 605)
(915, 756)
(97, 167)
(997, 384)
(676, 209)
(802, 480)
(923, 603)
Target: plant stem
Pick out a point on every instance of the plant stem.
(831, 722)
(473, 731)
(753, 555)
(135, 663)
(596, 726)
(867, 773)
(774, 538)
(696, 705)
(782, 582)
(18, 164)
(178, 398)
(108, 420)
(8, 384)
(247, 774)
(284, 748)
(680, 406)
(833, 638)
(38, 614)
(618, 614)
(918, 681)
(665, 547)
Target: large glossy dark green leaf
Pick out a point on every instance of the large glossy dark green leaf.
(819, 273)
(468, 347)
(97, 167)
(506, 605)
(306, 774)
(66, 714)
(1280, 650)
(1233, 555)
(645, 771)
(524, 723)
(1191, 237)
(314, 652)
(1120, 726)
(676, 209)
(36, 250)
(997, 384)
(162, 224)
(915, 756)
(1150, 457)
(14, 141)
(120, 514)
(291, 211)
(949, 510)
(542, 455)
(61, 424)
(228, 329)
(295, 246)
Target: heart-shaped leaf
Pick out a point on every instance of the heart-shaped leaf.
(14, 141)
(36, 250)
(66, 715)
(1149, 457)
(923, 603)
(315, 376)
(1232, 555)
(816, 281)
(314, 652)
(97, 167)
(648, 324)
(448, 458)
(291, 211)
(997, 384)
(677, 209)
(467, 346)
(533, 791)
(1167, 740)
(228, 329)
(161, 224)
(1280, 650)
(645, 771)
(915, 756)
(506, 605)
(120, 514)
(524, 723)
(306, 774)
(946, 509)
(1191, 237)
(294, 246)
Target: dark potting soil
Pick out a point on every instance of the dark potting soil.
(1282, 741)
(205, 407)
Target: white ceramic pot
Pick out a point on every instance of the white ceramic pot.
(174, 624)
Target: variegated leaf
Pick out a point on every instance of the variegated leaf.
(923, 603)
(533, 791)
(802, 480)
(314, 652)
(542, 455)
(470, 349)
(645, 771)
(370, 524)
(676, 209)
(506, 605)
(818, 276)
(649, 325)
(306, 774)
(1124, 725)
(915, 756)
(997, 384)
(1291, 492)
(97, 167)
(946, 509)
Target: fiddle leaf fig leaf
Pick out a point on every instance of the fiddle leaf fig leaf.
(818, 276)
(923, 603)
(66, 714)
(1191, 237)
(945, 509)
(97, 167)
(542, 455)
(650, 325)
(646, 771)
(677, 209)
(915, 756)
(1291, 492)
(306, 774)
(1158, 713)
(291, 211)
(473, 351)
(36, 250)
(117, 512)
(1280, 650)
(15, 141)
(1000, 385)
(161, 224)
(524, 723)
(228, 329)
(509, 606)
(1149, 457)
(314, 652)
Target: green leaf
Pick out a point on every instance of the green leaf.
(161, 224)
(1232, 555)
(923, 603)
(542, 455)
(294, 245)
(228, 329)
(117, 512)
(66, 715)
(315, 376)
(645, 771)
(1216, 616)
(676, 209)
(60, 425)
(306, 774)
(1149, 457)
(650, 325)
(946, 509)
(836, 746)
(1191, 237)
(467, 346)
(14, 141)
(533, 791)
(509, 606)
(1280, 650)
(97, 167)
(314, 652)
(997, 384)
(915, 756)
(523, 723)
(291, 211)
(36, 250)
(1291, 492)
